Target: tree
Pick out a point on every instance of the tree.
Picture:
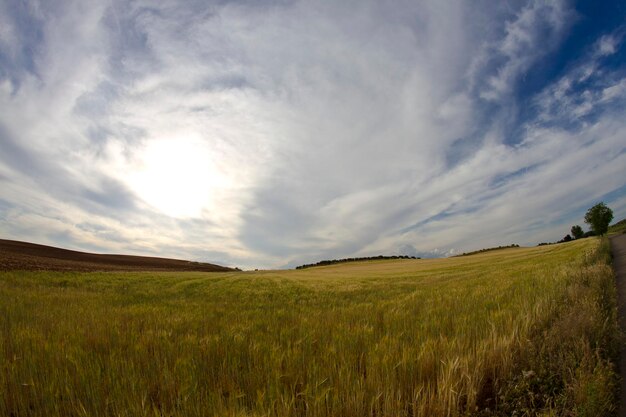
(577, 232)
(599, 217)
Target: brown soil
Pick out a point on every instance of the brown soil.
(16, 255)
(618, 248)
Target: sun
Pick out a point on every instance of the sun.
(177, 176)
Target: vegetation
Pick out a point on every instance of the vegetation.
(577, 232)
(488, 250)
(525, 332)
(599, 217)
(566, 238)
(619, 227)
(368, 258)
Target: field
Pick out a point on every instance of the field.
(16, 255)
(530, 331)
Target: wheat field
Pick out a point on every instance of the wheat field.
(530, 331)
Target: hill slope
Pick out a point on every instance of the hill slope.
(619, 227)
(16, 255)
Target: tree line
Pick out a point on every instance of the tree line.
(368, 258)
(514, 245)
(597, 217)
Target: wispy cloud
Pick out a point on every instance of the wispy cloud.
(275, 133)
(535, 30)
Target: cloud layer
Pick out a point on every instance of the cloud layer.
(269, 134)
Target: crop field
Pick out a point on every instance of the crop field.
(530, 331)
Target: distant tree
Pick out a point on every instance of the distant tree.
(577, 232)
(598, 218)
(567, 238)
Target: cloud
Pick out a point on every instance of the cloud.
(535, 30)
(277, 133)
(607, 45)
(587, 91)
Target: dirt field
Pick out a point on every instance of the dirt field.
(15, 255)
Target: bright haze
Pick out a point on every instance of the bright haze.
(267, 134)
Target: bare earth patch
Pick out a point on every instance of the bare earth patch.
(15, 255)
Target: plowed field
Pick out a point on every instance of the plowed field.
(15, 255)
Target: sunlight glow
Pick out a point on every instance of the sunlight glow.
(177, 176)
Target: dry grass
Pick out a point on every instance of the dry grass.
(524, 330)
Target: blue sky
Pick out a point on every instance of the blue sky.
(275, 133)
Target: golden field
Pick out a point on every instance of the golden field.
(524, 331)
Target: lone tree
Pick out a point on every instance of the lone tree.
(599, 217)
(577, 232)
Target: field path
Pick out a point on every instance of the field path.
(618, 247)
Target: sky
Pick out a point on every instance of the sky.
(273, 133)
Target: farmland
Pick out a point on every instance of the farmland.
(530, 330)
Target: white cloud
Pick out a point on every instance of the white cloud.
(266, 134)
(534, 31)
(607, 45)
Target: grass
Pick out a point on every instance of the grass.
(525, 331)
(618, 228)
